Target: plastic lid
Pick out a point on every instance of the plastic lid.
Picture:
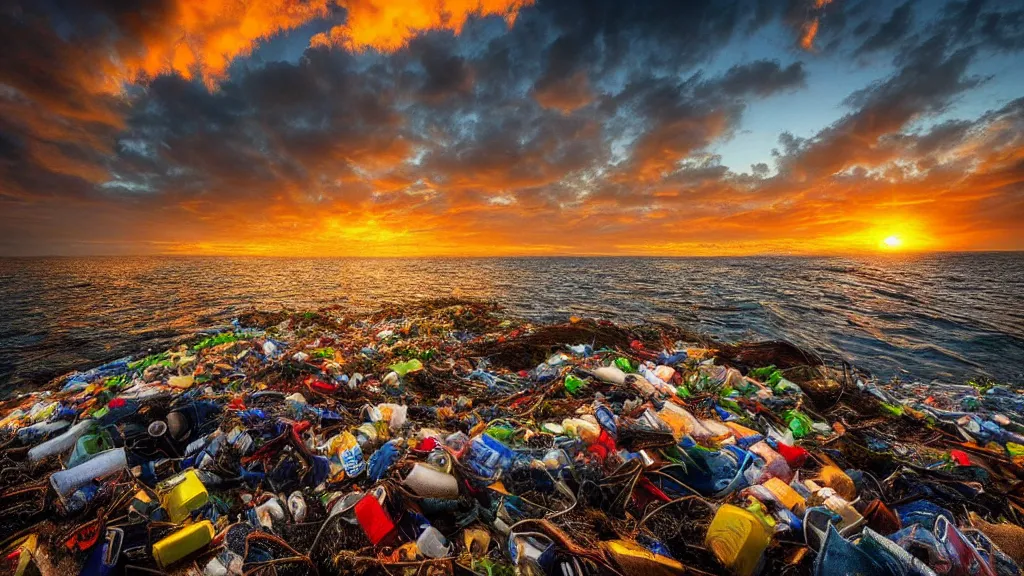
(157, 428)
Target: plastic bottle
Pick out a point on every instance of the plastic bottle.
(350, 454)
(574, 384)
(61, 443)
(67, 481)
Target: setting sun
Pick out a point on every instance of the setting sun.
(892, 242)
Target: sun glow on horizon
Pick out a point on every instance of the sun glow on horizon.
(892, 242)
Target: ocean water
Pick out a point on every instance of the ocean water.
(942, 316)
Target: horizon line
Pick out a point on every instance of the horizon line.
(885, 253)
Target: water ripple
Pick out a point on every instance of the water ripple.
(946, 316)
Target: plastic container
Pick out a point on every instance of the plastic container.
(430, 483)
(183, 543)
(738, 539)
(67, 481)
(609, 374)
(61, 443)
(432, 543)
(182, 494)
(837, 480)
(373, 519)
(789, 497)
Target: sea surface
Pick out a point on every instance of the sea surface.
(944, 317)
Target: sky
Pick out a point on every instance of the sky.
(510, 127)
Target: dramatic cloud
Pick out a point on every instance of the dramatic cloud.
(509, 126)
(388, 25)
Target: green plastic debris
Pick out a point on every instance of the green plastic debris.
(323, 353)
(148, 361)
(574, 384)
(783, 386)
(403, 368)
(683, 392)
(1014, 450)
(970, 403)
(892, 409)
(768, 375)
(492, 568)
(799, 423)
(499, 433)
(624, 364)
(216, 339)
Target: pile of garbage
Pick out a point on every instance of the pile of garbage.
(448, 438)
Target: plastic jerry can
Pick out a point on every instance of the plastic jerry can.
(182, 494)
(738, 539)
(182, 543)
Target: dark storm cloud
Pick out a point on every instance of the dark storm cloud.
(447, 75)
(929, 77)
(1004, 30)
(760, 78)
(891, 31)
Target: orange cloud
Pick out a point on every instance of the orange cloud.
(809, 32)
(200, 38)
(388, 25)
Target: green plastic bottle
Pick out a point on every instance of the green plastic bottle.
(624, 364)
(574, 384)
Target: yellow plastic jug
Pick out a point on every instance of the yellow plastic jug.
(738, 539)
(182, 494)
(182, 543)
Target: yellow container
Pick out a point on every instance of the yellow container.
(738, 539)
(182, 543)
(183, 494)
(789, 497)
(635, 559)
(837, 480)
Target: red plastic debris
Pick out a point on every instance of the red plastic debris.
(427, 444)
(960, 457)
(795, 456)
(321, 386)
(373, 519)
